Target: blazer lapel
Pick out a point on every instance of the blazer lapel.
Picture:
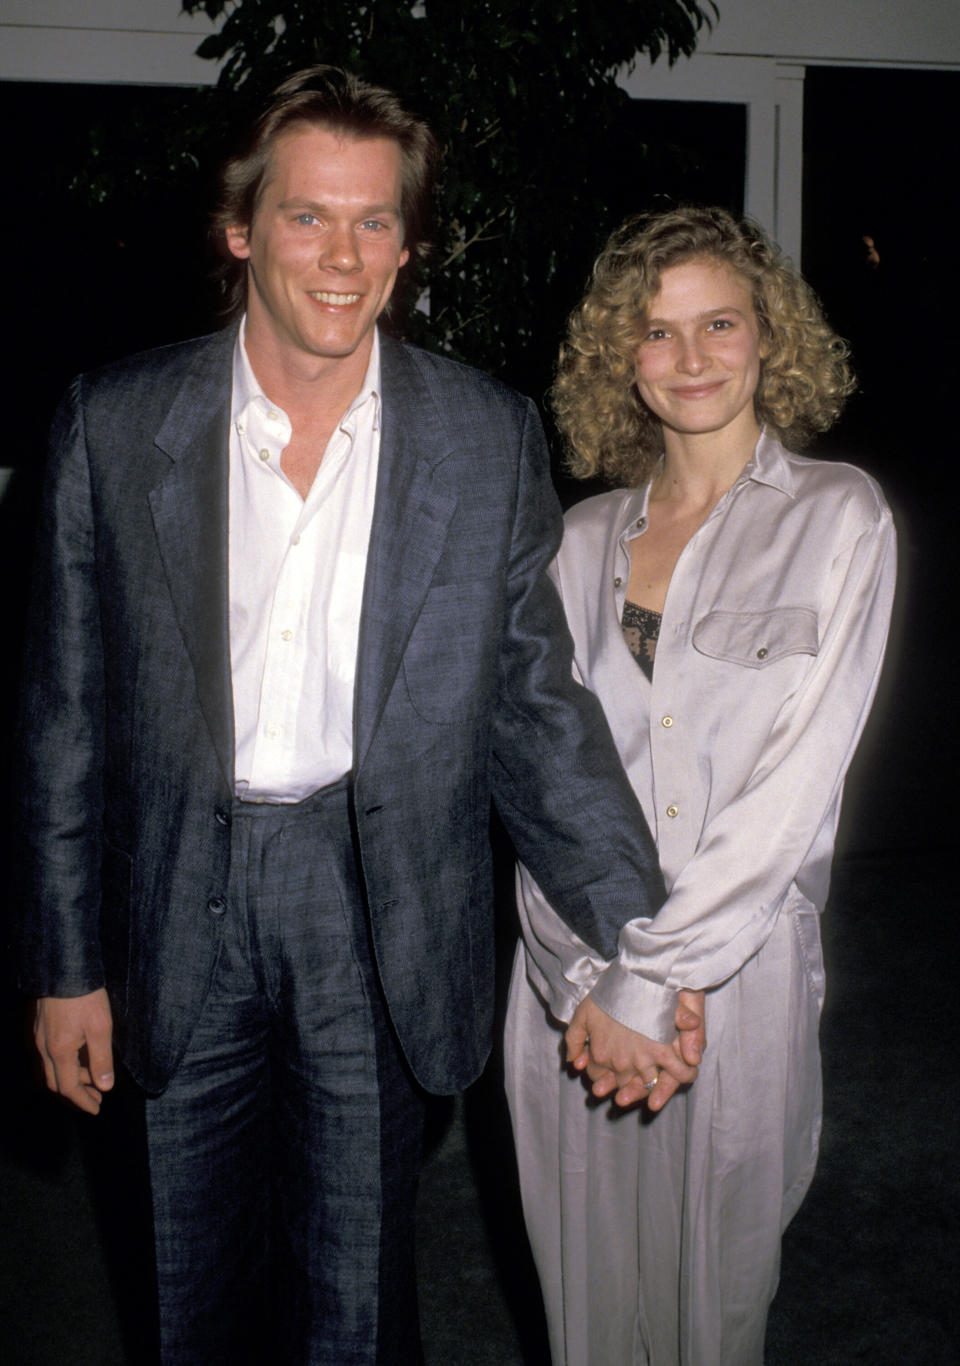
(189, 508)
(410, 521)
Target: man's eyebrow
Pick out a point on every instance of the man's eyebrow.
(312, 204)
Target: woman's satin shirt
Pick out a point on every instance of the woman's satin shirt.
(770, 648)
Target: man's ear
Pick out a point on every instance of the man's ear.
(238, 241)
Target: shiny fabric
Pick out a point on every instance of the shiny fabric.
(657, 1242)
(126, 763)
(657, 1239)
(770, 648)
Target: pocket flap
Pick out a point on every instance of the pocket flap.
(756, 639)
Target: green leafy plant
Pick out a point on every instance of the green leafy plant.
(523, 97)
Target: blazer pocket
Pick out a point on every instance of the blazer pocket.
(757, 639)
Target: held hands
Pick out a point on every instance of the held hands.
(623, 1063)
(73, 1037)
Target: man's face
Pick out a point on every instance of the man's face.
(324, 247)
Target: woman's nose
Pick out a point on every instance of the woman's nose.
(692, 357)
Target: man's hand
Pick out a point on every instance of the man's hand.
(691, 1026)
(622, 1063)
(73, 1036)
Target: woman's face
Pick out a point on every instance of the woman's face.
(698, 365)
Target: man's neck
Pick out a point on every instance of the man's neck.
(311, 390)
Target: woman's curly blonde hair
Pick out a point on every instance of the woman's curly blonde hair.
(805, 377)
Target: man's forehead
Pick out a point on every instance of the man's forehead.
(292, 142)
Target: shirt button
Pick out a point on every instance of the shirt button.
(286, 635)
(222, 816)
(762, 652)
(666, 721)
(216, 905)
(641, 523)
(617, 582)
(673, 811)
(264, 455)
(273, 415)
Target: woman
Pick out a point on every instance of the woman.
(729, 605)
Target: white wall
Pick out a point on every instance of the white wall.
(842, 32)
(143, 42)
(151, 41)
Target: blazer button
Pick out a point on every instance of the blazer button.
(216, 905)
(222, 816)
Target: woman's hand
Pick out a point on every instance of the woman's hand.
(629, 1066)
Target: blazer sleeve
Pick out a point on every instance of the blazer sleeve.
(557, 780)
(61, 733)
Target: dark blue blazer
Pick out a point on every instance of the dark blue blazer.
(463, 693)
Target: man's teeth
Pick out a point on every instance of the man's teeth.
(324, 296)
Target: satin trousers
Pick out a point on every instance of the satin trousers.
(657, 1238)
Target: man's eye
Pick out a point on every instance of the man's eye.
(373, 225)
(307, 219)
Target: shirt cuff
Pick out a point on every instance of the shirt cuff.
(641, 1005)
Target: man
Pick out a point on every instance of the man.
(291, 633)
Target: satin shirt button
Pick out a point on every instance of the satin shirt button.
(673, 811)
(264, 455)
(762, 652)
(216, 905)
(666, 721)
(222, 816)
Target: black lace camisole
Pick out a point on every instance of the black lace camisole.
(641, 630)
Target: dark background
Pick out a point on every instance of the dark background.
(869, 1261)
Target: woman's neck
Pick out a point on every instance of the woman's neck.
(699, 467)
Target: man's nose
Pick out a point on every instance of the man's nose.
(340, 249)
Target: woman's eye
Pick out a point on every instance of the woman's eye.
(721, 324)
(656, 334)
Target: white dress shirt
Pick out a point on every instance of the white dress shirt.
(770, 648)
(297, 570)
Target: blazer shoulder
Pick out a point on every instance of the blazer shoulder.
(160, 368)
(449, 380)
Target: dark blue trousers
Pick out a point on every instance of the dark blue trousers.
(285, 1152)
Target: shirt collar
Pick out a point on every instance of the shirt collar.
(247, 389)
(768, 465)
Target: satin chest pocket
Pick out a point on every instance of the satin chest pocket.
(757, 639)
